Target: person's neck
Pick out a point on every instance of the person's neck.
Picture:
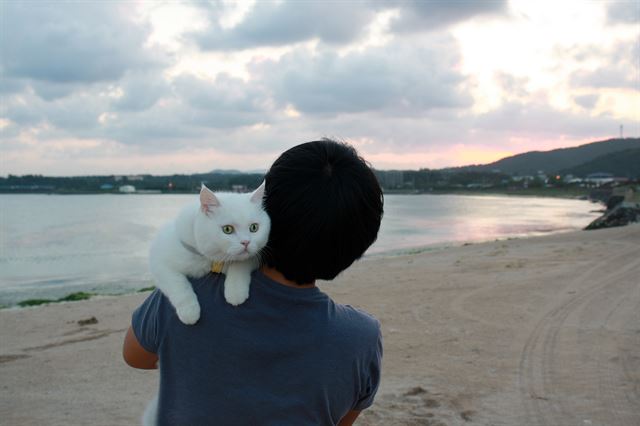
(277, 276)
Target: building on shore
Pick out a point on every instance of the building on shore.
(599, 179)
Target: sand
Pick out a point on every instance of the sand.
(537, 331)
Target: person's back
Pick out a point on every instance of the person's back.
(289, 355)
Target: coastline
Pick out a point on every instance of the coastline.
(498, 333)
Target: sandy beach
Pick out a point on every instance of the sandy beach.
(536, 331)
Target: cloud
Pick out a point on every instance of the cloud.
(283, 23)
(606, 78)
(587, 101)
(538, 119)
(10, 86)
(419, 15)
(50, 91)
(88, 115)
(141, 91)
(623, 12)
(23, 109)
(69, 43)
(404, 78)
(162, 128)
(75, 114)
(618, 69)
(144, 111)
(333, 23)
(513, 87)
(224, 103)
(223, 93)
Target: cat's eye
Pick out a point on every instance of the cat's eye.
(227, 229)
(254, 227)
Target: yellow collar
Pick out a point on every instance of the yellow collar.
(217, 267)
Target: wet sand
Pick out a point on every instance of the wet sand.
(537, 331)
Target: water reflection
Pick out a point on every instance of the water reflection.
(416, 221)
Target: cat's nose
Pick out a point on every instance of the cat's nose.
(245, 243)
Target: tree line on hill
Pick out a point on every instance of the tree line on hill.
(141, 183)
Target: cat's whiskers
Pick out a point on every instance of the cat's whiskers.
(263, 254)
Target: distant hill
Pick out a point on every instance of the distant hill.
(226, 172)
(554, 161)
(237, 172)
(621, 164)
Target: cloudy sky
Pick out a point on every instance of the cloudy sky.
(110, 87)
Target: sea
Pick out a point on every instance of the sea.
(53, 245)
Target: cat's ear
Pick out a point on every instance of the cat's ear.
(208, 199)
(257, 195)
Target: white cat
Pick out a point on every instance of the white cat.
(222, 227)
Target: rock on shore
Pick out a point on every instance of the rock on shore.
(622, 214)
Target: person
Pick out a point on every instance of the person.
(289, 355)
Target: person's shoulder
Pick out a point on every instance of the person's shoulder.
(158, 299)
(164, 309)
(159, 307)
(206, 282)
(359, 316)
(359, 323)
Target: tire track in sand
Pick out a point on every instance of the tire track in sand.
(537, 375)
(615, 384)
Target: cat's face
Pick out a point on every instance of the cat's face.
(231, 226)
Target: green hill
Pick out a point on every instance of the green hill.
(554, 161)
(621, 164)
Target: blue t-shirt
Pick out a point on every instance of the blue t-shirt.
(287, 356)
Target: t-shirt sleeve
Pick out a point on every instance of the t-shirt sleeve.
(371, 376)
(147, 323)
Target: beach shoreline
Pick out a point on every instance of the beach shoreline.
(536, 330)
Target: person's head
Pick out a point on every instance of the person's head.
(325, 206)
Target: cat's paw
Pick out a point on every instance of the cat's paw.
(236, 294)
(189, 313)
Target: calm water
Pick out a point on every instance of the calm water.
(51, 245)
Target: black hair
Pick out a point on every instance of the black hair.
(325, 205)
